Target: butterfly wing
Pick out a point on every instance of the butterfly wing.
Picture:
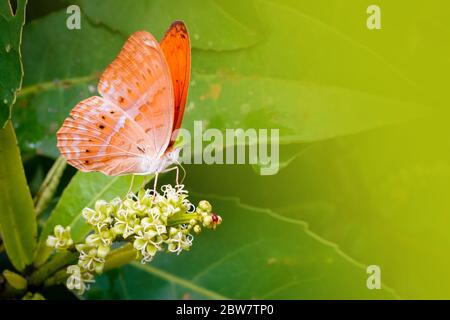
(139, 82)
(100, 136)
(177, 51)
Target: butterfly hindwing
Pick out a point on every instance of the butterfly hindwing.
(99, 136)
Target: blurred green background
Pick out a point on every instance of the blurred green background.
(363, 118)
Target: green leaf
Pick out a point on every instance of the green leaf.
(382, 196)
(254, 254)
(10, 59)
(212, 25)
(17, 217)
(302, 112)
(300, 47)
(290, 88)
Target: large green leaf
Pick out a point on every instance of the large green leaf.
(382, 196)
(254, 254)
(10, 60)
(211, 26)
(404, 42)
(17, 217)
(301, 47)
(303, 112)
(18, 226)
(312, 89)
(326, 95)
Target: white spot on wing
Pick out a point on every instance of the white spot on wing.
(104, 107)
(150, 43)
(119, 125)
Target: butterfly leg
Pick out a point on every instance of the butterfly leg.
(144, 182)
(130, 189)
(155, 183)
(177, 172)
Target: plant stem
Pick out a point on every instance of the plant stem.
(181, 218)
(59, 261)
(115, 259)
(42, 253)
(49, 186)
(120, 257)
(56, 279)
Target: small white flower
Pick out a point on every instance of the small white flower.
(61, 238)
(78, 280)
(125, 222)
(178, 241)
(89, 259)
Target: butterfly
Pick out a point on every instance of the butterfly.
(132, 126)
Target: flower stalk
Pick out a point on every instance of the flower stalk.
(59, 261)
(49, 186)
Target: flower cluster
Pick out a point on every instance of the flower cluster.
(151, 221)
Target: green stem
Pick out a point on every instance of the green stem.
(42, 253)
(117, 258)
(120, 257)
(181, 218)
(45, 271)
(49, 186)
(58, 278)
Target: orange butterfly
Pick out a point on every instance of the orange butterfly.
(131, 128)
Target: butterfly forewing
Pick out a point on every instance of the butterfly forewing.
(177, 51)
(139, 82)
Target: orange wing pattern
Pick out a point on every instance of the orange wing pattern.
(177, 50)
(100, 136)
(139, 82)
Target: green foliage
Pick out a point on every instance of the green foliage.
(18, 227)
(381, 196)
(283, 86)
(10, 60)
(364, 156)
(17, 218)
(255, 254)
(200, 15)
